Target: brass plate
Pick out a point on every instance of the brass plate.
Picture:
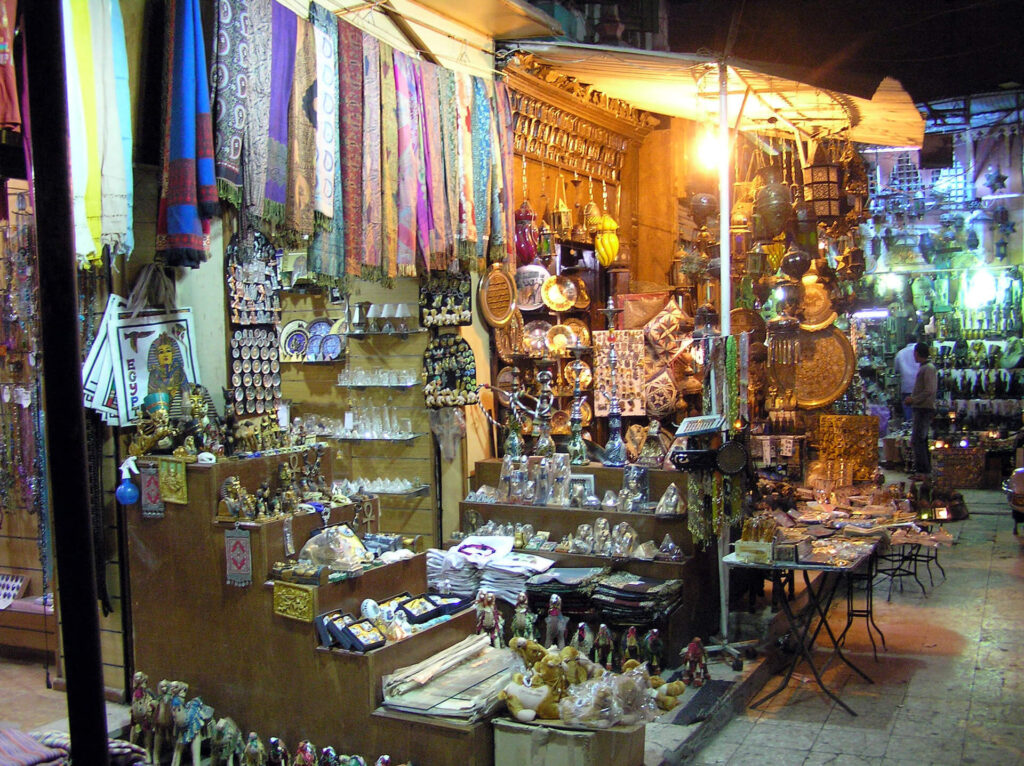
(748, 320)
(558, 293)
(508, 339)
(825, 368)
(817, 308)
(496, 296)
(580, 329)
(559, 338)
(582, 296)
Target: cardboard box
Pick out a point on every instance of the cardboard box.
(517, 743)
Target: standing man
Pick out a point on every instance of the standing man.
(922, 404)
(906, 367)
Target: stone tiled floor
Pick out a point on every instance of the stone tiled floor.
(949, 690)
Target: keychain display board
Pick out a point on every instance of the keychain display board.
(629, 372)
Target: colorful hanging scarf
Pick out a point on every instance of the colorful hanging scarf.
(283, 31)
(350, 102)
(82, 31)
(389, 161)
(467, 215)
(424, 216)
(504, 135)
(124, 115)
(229, 78)
(189, 196)
(79, 154)
(410, 168)
(433, 152)
(325, 34)
(370, 268)
(298, 207)
(482, 159)
(450, 142)
(257, 131)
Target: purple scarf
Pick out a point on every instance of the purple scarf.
(283, 30)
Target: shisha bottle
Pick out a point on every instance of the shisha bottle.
(514, 445)
(577, 447)
(615, 448)
(545, 445)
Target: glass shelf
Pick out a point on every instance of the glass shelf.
(406, 438)
(379, 385)
(379, 334)
(414, 492)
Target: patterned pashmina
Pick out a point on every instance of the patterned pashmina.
(482, 162)
(283, 31)
(450, 141)
(229, 78)
(189, 197)
(298, 208)
(424, 216)
(350, 98)
(389, 162)
(440, 242)
(325, 33)
(124, 119)
(370, 268)
(409, 158)
(503, 221)
(257, 132)
(467, 215)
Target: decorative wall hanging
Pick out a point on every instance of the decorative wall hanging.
(496, 296)
(173, 483)
(629, 372)
(255, 371)
(253, 274)
(450, 368)
(826, 366)
(446, 300)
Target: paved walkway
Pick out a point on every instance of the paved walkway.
(949, 690)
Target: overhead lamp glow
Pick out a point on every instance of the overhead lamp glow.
(892, 282)
(982, 290)
(710, 153)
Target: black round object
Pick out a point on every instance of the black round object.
(731, 458)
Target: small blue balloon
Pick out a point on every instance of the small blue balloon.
(126, 493)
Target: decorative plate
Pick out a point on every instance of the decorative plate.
(748, 320)
(331, 346)
(529, 283)
(558, 293)
(579, 328)
(586, 413)
(535, 337)
(340, 326)
(496, 296)
(313, 348)
(560, 422)
(559, 338)
(294, 343)
(508, 339)
(320, 326)
(825, 368)
(586, 376)
(816, 307)
(582, 296)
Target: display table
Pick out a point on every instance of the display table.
(807, 625)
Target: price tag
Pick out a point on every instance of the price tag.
(786, 446)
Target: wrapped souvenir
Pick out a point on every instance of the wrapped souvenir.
(336, 547)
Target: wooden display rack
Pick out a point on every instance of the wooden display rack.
(260, 668)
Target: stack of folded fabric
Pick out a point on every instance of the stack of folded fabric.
(573, 585)
(458, 570)
(628, 599)
(506, 577)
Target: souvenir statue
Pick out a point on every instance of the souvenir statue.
(696, 663)
(328, 757)
(187, 450)
(230, 505)
(554, 623)
(631, 649)
(260, 505)
(254, 753)
(653, 647)
(277, 752)
(225, 742)
(154, 432)
(206, 429)
(488, 619)
(305, 754)
(583, 640)
(523, 621)
(168, 695)
(604, 647)
(142, 712)
(190, 725)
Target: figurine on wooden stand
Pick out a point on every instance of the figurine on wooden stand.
(630, 646)
(254, 754)
(488, 619)
(604, 647)
(143, 710)
(555, 623)
(190, 724)
(696, 662)
(653, 647)
(583, 640)
(523, 621)
(225, 742)
(277, 752)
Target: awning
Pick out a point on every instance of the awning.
(686, 85)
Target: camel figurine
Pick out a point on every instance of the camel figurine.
(225, 742)
(142, 712)
(169, 694)
(191, 724)
(277, 752)
(254, 753)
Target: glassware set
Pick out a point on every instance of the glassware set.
(379, 378)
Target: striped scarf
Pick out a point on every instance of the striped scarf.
(298, 208)
(350, 98)
(371, 230)
(389, 161)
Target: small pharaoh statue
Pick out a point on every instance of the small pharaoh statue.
(154, 431)
(286, 488)
(230, 505)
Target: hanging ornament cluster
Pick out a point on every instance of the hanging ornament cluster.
(446, 300)
(450, 369)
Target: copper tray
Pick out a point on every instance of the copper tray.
(496, 296)
(825, 369)
(817, 308)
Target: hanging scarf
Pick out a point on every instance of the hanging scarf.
(298, 207)
(325, 34)
(82, 31)
(350, 103)
(370, 268)
(481, 143)
(257, 130)
(467, 215)
(450, 142)
(283, 31)
(10, 109)
(229, 78)
(189, 197)
(424, 216)
(409, 158)
(503, 124)
(79, 154)
(433, 152)
(124, 115)
(389, 162)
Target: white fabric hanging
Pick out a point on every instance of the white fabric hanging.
(77, 136)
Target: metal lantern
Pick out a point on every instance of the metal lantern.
(821, 189)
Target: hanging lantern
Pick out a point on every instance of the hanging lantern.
(821, 186)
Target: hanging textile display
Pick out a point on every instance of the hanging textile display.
(257, 131)
(504, 217)
(325, 36)
(283, 30)
(372, 115)
(189, 188)
(424, 216)
(124, 121)
(450, 154)
(298, 209)
(467, 217)
(85, 249)
(388, 161)
(10, 109)
(433, 162)
(411, 204)
(81, 30)
(229, 81)
(482, 162)
(350, 149)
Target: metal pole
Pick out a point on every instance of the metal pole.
(62, 382)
